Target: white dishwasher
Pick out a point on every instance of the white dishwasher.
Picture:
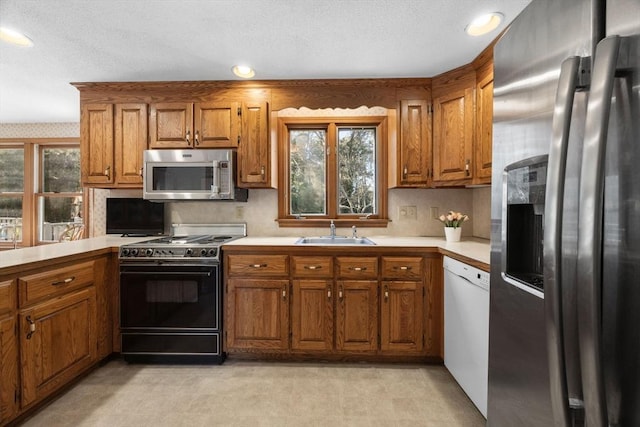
(466, 328)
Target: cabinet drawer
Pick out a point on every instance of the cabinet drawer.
(55, 282)
(312, 266)
(402, 267)
(357, 267)
(7, 296)
(258, 265)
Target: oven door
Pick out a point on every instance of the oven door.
(170, 297)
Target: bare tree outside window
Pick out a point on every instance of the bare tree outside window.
(308, 171)
(357, 170)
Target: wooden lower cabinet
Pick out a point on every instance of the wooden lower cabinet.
(357, 315)
(401, 316)
(57, 342)
(8, 368)
(312, 315)
(257, 314)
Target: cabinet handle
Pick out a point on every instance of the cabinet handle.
(357, 268)
(466, 167)
(340, 293)
(197, 138)
(386, 292)
(329, 293)
(404, 172)
(262, 172)
(188, 137)
(32, 327)
(107, 172)
(64, 282)
(313, 267)
(403, 267)
(284, 292)
(141, 171)
(258, 265)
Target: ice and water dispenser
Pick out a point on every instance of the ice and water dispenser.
(523, 215)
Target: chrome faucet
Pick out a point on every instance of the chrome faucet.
(354, 232)
(332, 229)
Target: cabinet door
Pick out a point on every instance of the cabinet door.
(453, 137)
(171, 125)
(130, 142)
(96, 138)
(8, 368)
(216, 125)
(357, 315)
(257, 314)
(57, 342)
(312, 315)
(254, 168)
(401, 317)
(415, 143)
(484, 130)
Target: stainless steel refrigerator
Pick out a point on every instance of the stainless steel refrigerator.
(564, 324)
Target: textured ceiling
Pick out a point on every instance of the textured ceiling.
(146, 40)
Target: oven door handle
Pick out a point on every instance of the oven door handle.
(167, 273)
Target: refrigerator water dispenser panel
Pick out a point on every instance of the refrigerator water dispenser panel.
(525, 183)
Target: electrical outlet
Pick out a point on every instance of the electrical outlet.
(239, 212)
(434, 212)
(412, 212)
(402, 212)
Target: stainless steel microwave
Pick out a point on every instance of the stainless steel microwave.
(189, 174)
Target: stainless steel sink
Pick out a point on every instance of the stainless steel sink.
(337, 240)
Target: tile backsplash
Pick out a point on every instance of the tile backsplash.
(261, 211)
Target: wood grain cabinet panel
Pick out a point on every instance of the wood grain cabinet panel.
(357, 267)
(453, 137)
(8, 294)
(257, 314)
(57, 342)
(312, 266)
(402, 267)
(216, 125)
(484, 129)
(312, 315)
(96, 144)
(258, 265)
(130, 143)
(39, 286)
(8, 367)
(357, 315)
(414, 157)
(254, 159)
(402, 315)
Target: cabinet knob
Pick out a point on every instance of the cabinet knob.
(340, 293)
(284, 292)
(107, 172)
(32, 327)
(262, 171)
(197, 138)
(329, 293)
(188, 137)
(466, 167)
(405, 171)
(386, 292)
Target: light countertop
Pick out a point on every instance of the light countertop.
(472, 249)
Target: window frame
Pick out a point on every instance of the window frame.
(331, 125)
(32, 186)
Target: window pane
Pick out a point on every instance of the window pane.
(307, 187)
(10, 218)
(357, 170)
(61, 170)
(11, 169)
(56, 213)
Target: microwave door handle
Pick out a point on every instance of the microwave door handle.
(215, 186)
(590, 211)
(552, 255)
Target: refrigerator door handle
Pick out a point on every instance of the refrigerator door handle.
(590, 211)
(552, 255)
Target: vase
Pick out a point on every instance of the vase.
(452, 234)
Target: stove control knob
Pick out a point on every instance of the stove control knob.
(189, 252)
(211, 252)
(125, 252)
(134, 252)
(203, 252)
(148, 252)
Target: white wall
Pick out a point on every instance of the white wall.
(39, 130)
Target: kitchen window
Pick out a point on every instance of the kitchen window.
(332, 169)
(40, 191)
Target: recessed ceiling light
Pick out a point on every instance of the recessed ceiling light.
(15, 37)
(243, 71)
(484, 24)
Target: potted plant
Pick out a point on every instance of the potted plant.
(453, 225)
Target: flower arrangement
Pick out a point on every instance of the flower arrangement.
(453, 219)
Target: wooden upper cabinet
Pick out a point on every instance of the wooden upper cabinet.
(453, 121)
(254, 169)
(130, 142)
(96, 139)
(171, 125)
(484, 126)
(216, 125)
(414, 157)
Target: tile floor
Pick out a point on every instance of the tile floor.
(243, 393)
